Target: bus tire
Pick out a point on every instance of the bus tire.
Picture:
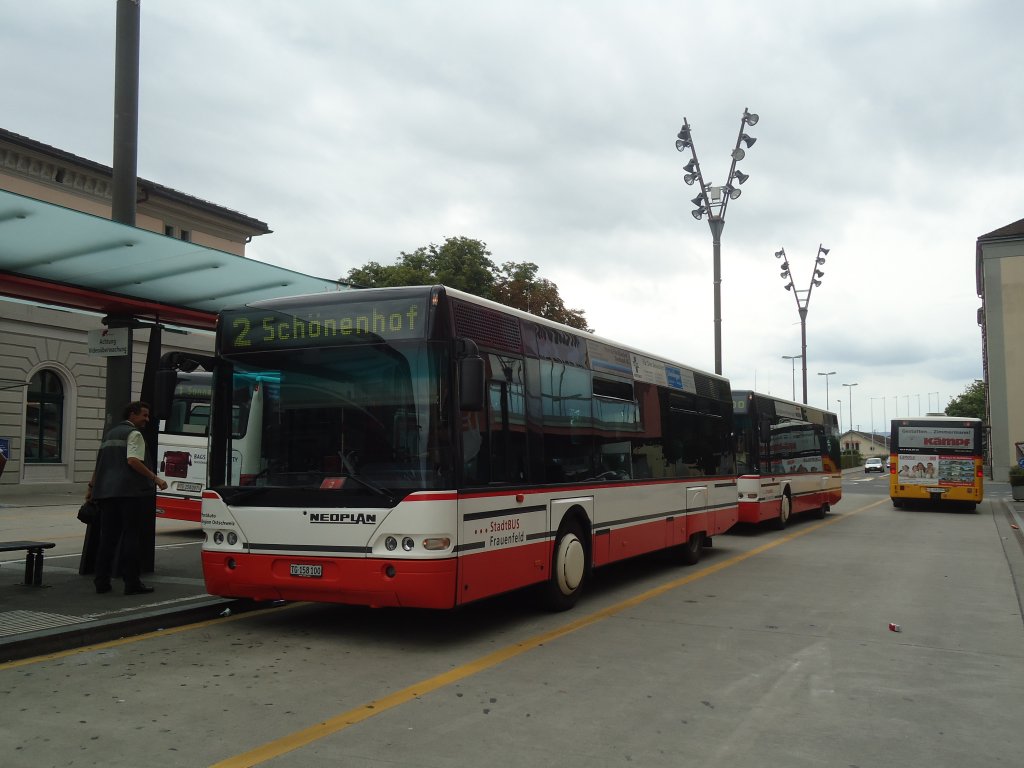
(821, 512)
(898, 503)
(785, 510)
(569, 566)
(690, 552)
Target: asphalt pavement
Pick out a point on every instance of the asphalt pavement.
(65, 611)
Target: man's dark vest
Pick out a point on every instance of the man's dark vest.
(114, 478)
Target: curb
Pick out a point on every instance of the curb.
(63, 638)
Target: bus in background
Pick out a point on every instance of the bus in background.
(423, 447)
(936, 459)
(787, 458)
(184, 435)
(184, 440)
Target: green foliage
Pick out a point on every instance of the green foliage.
(970, 403)
(465, 264)
(461, 263)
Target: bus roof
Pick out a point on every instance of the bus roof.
(426, 290)
(744, 393)
(937, 419)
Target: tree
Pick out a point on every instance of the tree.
(461, 262)
(464, 263)
(970, 402)
(518, 286)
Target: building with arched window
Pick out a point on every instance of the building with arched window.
(52, 391)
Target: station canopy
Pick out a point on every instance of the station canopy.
(58, 256)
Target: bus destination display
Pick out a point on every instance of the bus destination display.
(323, 324)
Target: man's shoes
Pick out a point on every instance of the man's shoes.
(102, 587)
(138, 589)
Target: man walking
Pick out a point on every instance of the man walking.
(124, 486)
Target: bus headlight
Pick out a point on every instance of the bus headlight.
(437, 543)
(218, 537)
(408, 544)
(232, 538)
(390, 543)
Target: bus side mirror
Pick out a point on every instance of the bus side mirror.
(765, 431)
(471, 384)
(166, 381)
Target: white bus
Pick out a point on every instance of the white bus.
(184, 441)
(424, 447)
(787, 457)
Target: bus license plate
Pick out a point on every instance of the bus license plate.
(306, 571)
(936, 490)
(190, 487)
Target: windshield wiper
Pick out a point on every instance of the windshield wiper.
(351, 472)
(376, 489)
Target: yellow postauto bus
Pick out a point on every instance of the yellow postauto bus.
(936, 459)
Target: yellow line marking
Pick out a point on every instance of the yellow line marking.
(340, 722)
(135, 638)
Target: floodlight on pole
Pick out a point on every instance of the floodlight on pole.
(712, 201)
(803, 299)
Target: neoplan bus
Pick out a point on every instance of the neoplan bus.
(184, 441)
(936, 459)
(423, 447)
(787, 458)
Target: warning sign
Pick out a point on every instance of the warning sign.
(108, 342)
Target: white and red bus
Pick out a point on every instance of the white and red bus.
(787, 458)
(183, 443)
(937, 459)
(424, 447)
(184, 440)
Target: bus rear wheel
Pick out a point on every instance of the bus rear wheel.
(568, 570)
(690, 552)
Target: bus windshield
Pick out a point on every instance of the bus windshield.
(370, 418)
(190, 408)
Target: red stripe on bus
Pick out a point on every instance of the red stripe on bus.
(177, 508)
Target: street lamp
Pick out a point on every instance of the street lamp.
(937, 404)
(840, 414)
(885, 420)
(826, 375)
(713, 202)
(851, 386)
(803, 297)
(794, 358)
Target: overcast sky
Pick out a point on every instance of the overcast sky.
(357, 130)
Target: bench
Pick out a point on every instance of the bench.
(33, 558)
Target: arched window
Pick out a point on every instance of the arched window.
(44, 419)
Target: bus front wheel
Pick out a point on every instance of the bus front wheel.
(568, 570)
(785, 509)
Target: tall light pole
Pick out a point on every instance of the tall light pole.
(937, 404)
(885, 420)
(840, 414)
(851, 386)
(794, 358)
(826, 375)
(713, 201)
(803, 298)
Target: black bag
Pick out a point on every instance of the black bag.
(89, 512)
